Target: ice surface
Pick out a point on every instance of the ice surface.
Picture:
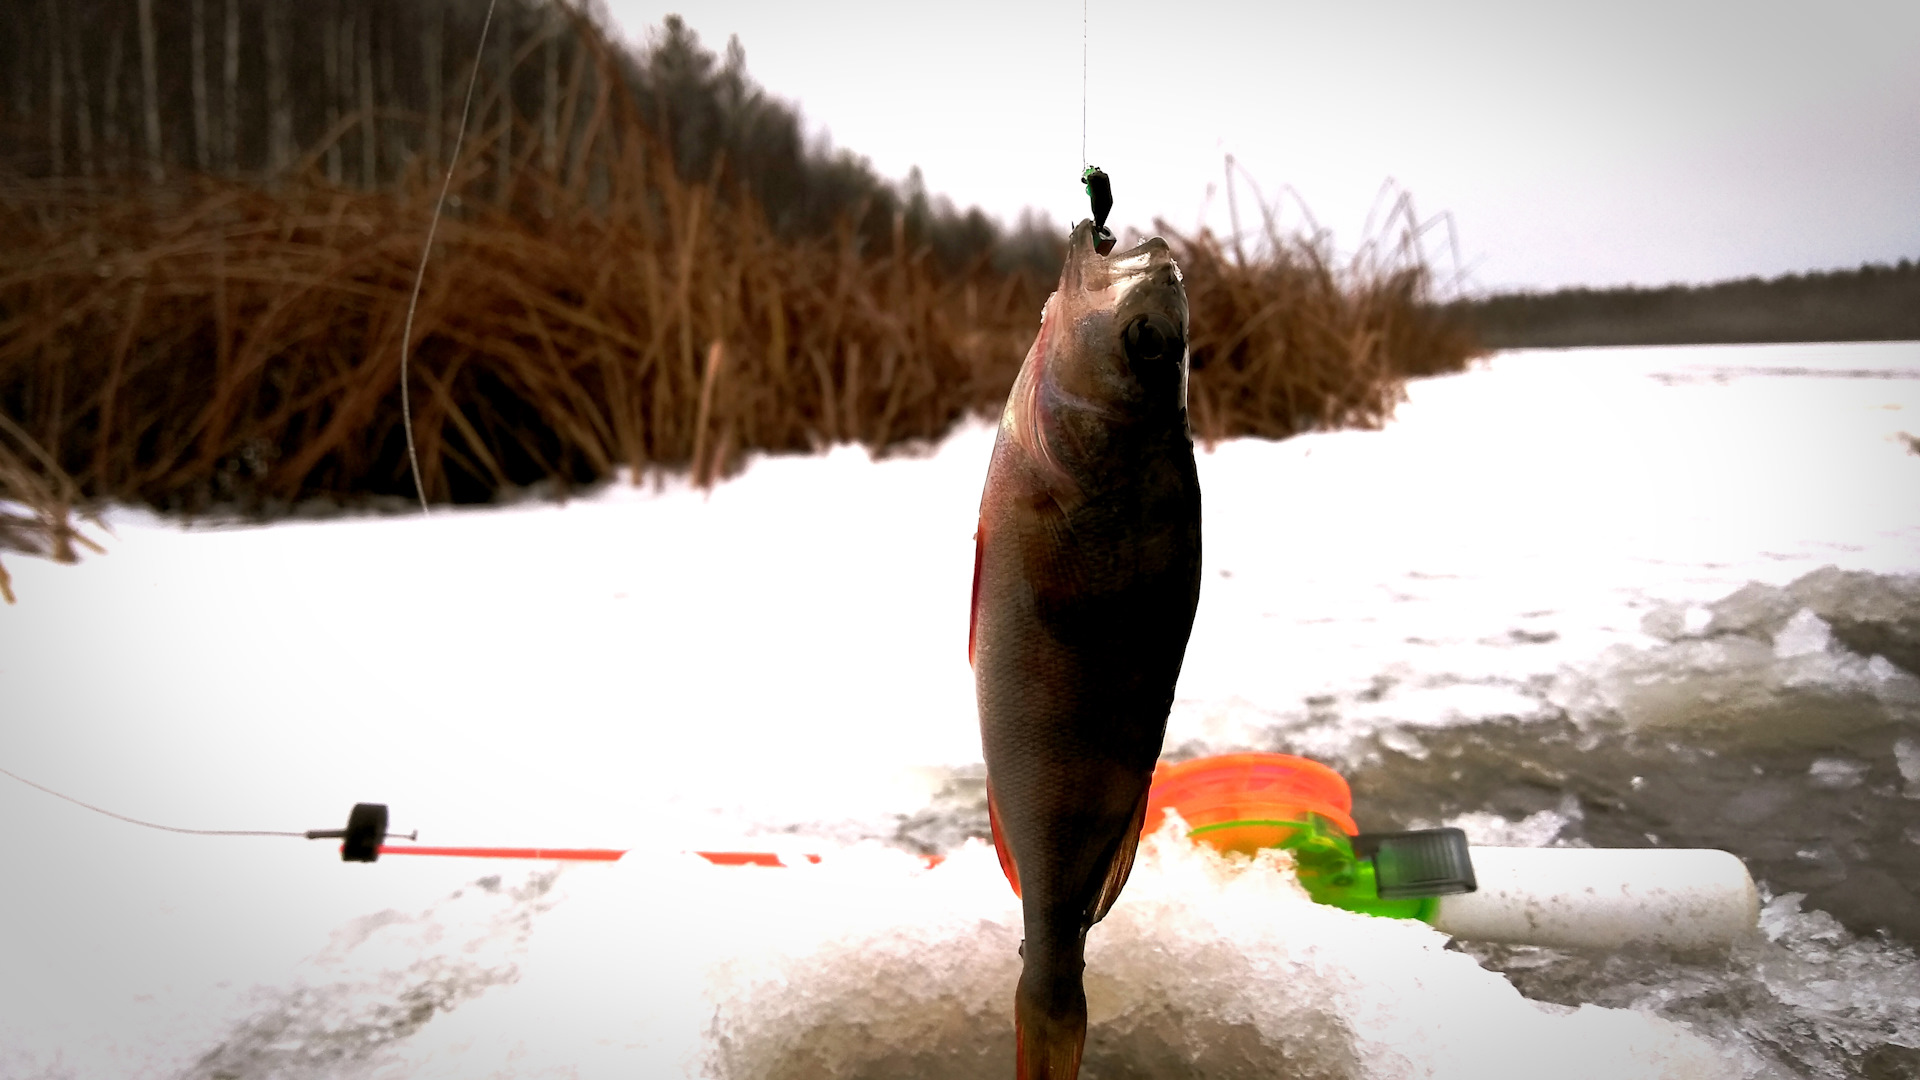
(1444, 570)
(1688, 551)
(1206, 968)
(1804, 999)
(185, 988)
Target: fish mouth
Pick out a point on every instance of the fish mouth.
(1080, 336)
(1107, 280)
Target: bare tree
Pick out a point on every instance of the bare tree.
(330, 73)
(503, 176)
(82, 108)
(197, 48)
(396, 150)
(230, 93)
(433, 43)
(369, 127)
(150, 85)
(550, 89)
(22, 79)
(56, 147)
(110, 94)
(279, 109)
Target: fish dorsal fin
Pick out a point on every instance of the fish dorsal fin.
(1122, 865)
(1000, 848)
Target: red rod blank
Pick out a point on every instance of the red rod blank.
(717, 858)
(578, 854)
(747, 858)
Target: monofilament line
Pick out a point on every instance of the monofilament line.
(1083, 85)
(149, 824)
(420, 275)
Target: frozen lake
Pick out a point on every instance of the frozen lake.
(1608, 597)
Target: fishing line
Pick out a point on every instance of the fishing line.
(420, 275)
(150, 824)
(1094, 180)
(371, 819)
(366, 826)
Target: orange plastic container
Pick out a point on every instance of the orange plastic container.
(1246, 802)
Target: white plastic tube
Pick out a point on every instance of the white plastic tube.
(1603, 898)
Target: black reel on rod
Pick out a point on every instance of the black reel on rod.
(366, 830)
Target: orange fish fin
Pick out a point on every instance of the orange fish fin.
(973, 608)
(1122, 864)
(1046, 1044)
(1000, 847)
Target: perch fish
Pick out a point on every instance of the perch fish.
(1086, 576)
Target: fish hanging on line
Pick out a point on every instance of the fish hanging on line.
(1086, 576)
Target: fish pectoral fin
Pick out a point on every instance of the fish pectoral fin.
(1122, 865)
(1000, 848)
(973, 608)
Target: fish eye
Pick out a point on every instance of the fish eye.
(1150, 337)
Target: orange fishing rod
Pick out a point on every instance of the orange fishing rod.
(717, 858)
(366, 835)
(364, 840)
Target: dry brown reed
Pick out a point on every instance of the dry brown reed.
(221, 345)
(215, 345)
(36, 503)
(1292, 339)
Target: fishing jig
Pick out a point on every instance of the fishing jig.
(1099, 190)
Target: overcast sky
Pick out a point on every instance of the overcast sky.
(1590, 143)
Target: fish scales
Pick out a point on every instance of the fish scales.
(1086, 576)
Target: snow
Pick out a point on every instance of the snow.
(779, 665)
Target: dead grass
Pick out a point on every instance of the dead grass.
(215, 344)
(36, 504)
(236, 347)
(1292, 339)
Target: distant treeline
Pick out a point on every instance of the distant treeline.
(367, 92)
(1874, 303)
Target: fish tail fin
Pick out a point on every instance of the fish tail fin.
(1049, 1031)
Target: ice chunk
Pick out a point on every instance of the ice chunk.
(1805, 634)
(1871, 614)
(1403, 742)
(1856, 993)
(1906, 756)
(1695, 620)
(1836, 773)
(1754, 610)
(1671, 621)
(1537, 829)
(1772, 663)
